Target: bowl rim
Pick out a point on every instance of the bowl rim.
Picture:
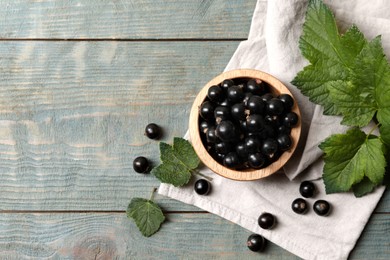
(251, 174)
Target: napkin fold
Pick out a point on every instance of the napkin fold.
(272, 46)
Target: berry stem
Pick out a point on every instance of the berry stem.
(152, 193)
(196, 172)
(372, 129)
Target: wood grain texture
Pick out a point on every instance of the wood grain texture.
(151, 19)
(182, 236)
(72, 116)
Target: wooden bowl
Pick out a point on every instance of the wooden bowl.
(276, 88)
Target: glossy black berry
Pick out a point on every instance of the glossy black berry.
(256, 243)
(238, 112)
(226, 84)
(210, 135)
(269, 147)
(255, 123)
(256, 160)
(235, 94)
(203, 126)
(141, 164)
(266, 221)
(307, 189)
(282, 129)
(224, 147)
(226, 131)
(152, 131)
(231, 160)
(274, 106)
(321, 207)
(287, 100)
(215, 93)
(252, 144)
(253, 87)
(255, 105)
(241, 151)
(299, 206)
(221, 113)
(290, 119)
(206, 110)
(202, 187)
(284, 142)
(266, 97)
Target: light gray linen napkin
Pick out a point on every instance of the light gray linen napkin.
(272, 46)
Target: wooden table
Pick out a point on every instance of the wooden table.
(79, 82)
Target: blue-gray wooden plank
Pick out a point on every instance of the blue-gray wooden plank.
(72, 116)
(152, 19)
(182, 236)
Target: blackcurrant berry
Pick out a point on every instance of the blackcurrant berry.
(256, 243)
(238, 112)
(141, 164)
(307, 189)
(255, 123)
(266, 221)
(256, 160)
(266, 97)
(287, 100)
(210, 135)
(321, 207)
(241, 151)
(226, 131)
(206, 110)
(290, 119)
(253, 87)
(283, 129)
(255, 105)
(226, 84)
(223, 147)
(202, 187)
(215, 93)
(252, 144)
(269, 147)
(247, 95)
(221, 113)
(284, 142)
(226, 103)
(231, 160)
(152, 131)
(299, 206)
(274, 106)
(203, 126)
(235, 94)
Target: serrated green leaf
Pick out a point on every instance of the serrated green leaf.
(178, 160)
(370, 78)
(173, 173)
(146, 214)
(362, 188)
(385, 134)
(349, 158)
(331, 55)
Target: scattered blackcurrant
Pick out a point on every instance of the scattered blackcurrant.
(321, 207)
(266, 221)
(256, 243)
(307, 189)
(141, 164)
(152, 131)
(299, 206)
(202, 187)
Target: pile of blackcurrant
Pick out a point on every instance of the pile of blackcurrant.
(243, 125)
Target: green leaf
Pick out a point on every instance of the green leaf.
(370, 80)
(146, 214)
(176, 174)
(331, 55)
(349, 158)
(178, 161)
(385, 134)
(364, 187)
